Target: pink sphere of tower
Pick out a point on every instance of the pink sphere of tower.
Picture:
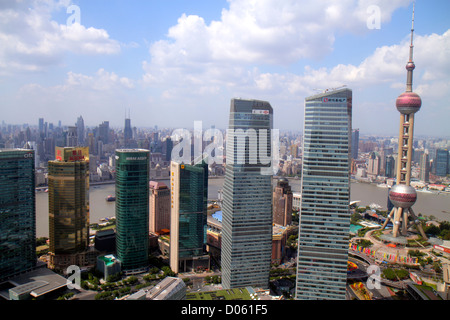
(402, 196)
(408, 102)
(410, 66)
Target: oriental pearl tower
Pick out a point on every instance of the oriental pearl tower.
(402, 195)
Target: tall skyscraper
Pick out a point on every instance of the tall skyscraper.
(128, 134)
(247, 196)
(402, 195)
(80, 132)
(441, 162)
(189, 194)
(325, 188)
(390, 167)
(132, 208)
(41, 128)
(167, 148)
(68, 205)
(103, 132)
(17, 212)
(72, 137)
(282, 203)
(424, 174)
(374, 164)
(355, 143)
(159, 207)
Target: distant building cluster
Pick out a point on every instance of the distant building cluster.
(376, 160)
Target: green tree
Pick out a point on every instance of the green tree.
(132, 280)
(365, 243)
(154, 270)
(216, 279)
(167, 271)
(355, 218)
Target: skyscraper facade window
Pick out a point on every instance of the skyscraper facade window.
(355, 143)
(189, 192)
(247, 196)
(17, 212)
(68, 204)
(132, 208)
(325, 187)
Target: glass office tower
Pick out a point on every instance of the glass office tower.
(441, 162)
(68, 205)
(17, 212)
(189, 193)
(132, 208)
(247, 196)
(324, 215)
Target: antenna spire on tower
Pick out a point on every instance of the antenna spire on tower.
(412, 35)
(410, 65)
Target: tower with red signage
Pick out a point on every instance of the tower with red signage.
(402, 195)
(325, 196)
(68, 204)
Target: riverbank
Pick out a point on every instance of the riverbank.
(427, 204)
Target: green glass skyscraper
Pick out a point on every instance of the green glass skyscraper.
(247, 196)
(324, 213)
(189, 193)
(17, 212)
(132, 208)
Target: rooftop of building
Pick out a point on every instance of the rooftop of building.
(15, 149)
(132, 150)
(108, 259)
(37, 283)
(157, 185)
(217, 215)
(328, 92)
(161, 291)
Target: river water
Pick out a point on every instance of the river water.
(427, 204)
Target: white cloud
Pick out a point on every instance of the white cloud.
(223, 59)
(30, 40)
(269, 32)
(96, 96)
(266, 31)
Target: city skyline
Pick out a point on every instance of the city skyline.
(247, 211)
(164, 73)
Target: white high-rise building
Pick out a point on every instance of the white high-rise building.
(325, 195)
(247, 196)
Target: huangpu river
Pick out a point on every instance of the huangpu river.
(427, 204)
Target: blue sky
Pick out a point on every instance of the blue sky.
(174, 62)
